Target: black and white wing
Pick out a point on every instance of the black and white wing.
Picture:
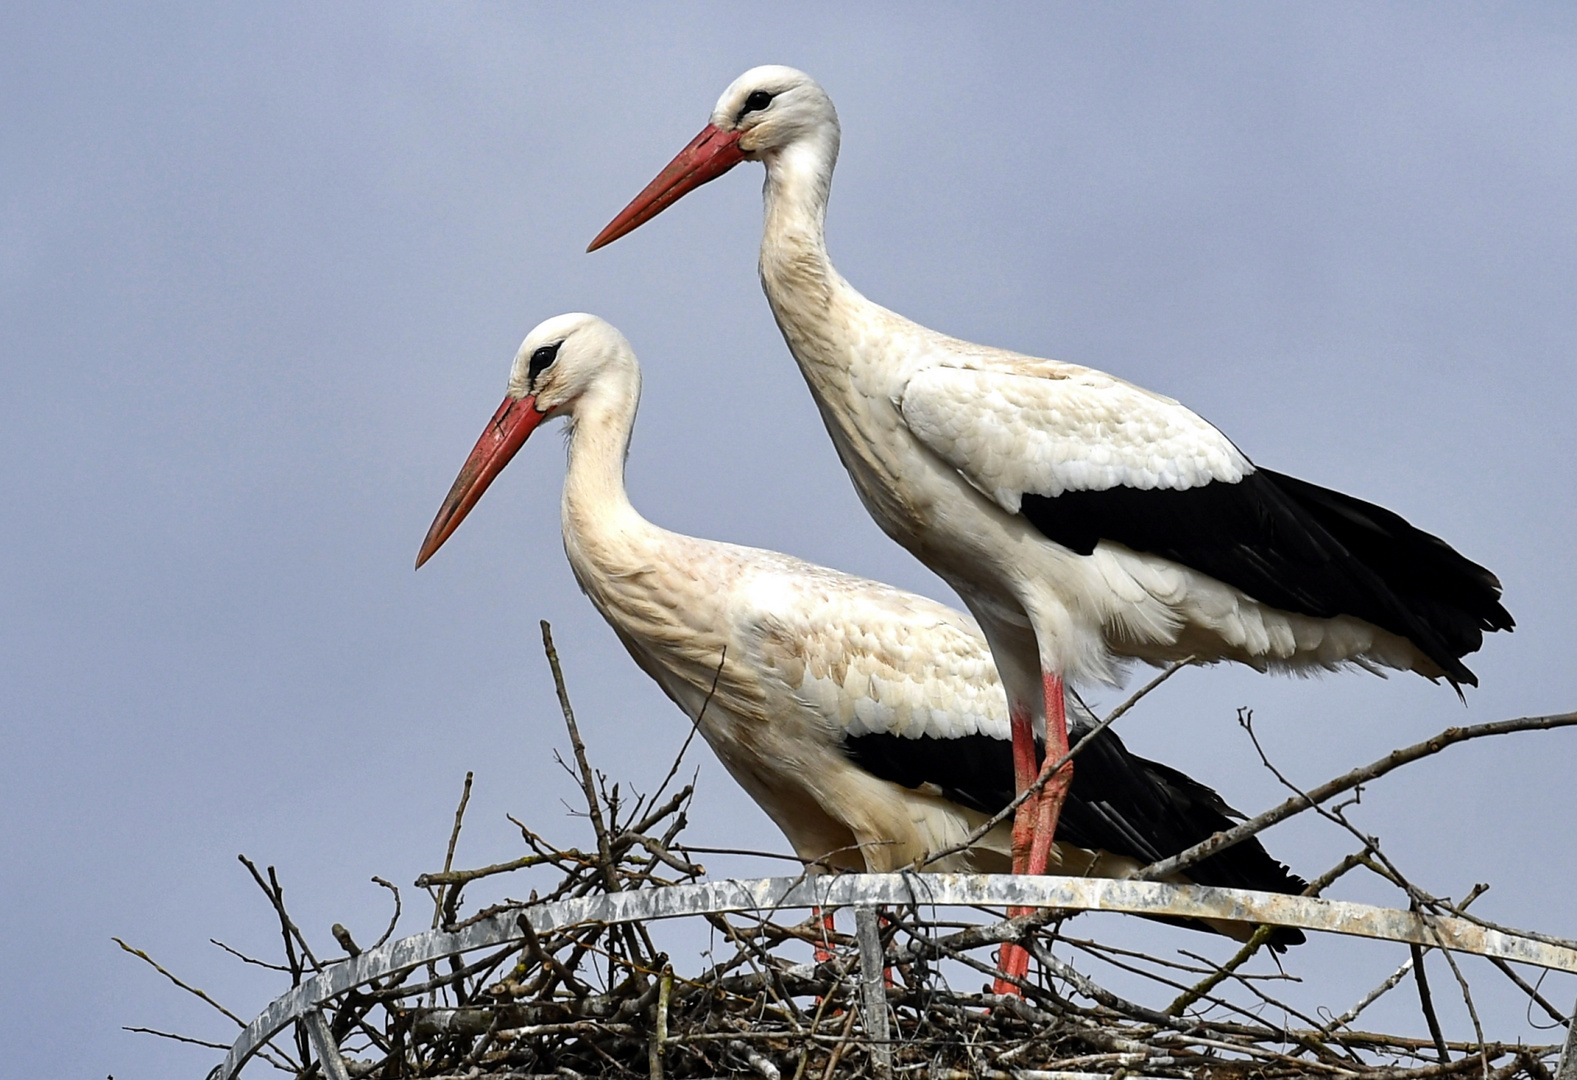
(1087, 458)
(907, 688)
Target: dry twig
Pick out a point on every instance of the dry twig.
(1346, 782)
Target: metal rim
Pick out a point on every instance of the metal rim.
(995, 890)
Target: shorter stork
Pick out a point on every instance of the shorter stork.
(868, 722)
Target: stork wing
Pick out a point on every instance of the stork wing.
(907, 686)
(870, 659)
(1049, 429)
(1086, 458)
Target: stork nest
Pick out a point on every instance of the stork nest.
(598, 999)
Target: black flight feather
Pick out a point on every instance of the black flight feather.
(1298, 547)
(1119, 802)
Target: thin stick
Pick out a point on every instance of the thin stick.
(177, 1038)
(548, 960)
(276, 896)
(1299, 803)
(605, 856)
(190, 989)
(1371, 997)
(1051, 767)
(654, 1053)
(389, 930)
(293, 1067)
(1395, 977)
(695, 726)
(461, 877)
(1467, 1000)
(1416, 901)
(1095, 992)
(753, 852)
(245, 959)
(454, 838)
(1139, 695)
(842, 1045)
(593, 806)
(1426, 1002)
(1261, 935)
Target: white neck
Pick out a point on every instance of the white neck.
(799, 181)
(596, 507)
(663, 593)
(828, 326)
(794, 265)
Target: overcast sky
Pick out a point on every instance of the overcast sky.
(262, 272)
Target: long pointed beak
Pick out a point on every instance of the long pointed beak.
(511, 425)
(709, 155)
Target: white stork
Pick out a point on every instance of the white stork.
(867, 722)
(1079, 517)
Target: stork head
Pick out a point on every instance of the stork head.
(558, 363)
(766, 112)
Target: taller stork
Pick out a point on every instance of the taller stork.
(1079, 517)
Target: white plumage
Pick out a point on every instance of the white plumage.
(1079, 517)
(779, 660)
(1042, 428)
(799, 677)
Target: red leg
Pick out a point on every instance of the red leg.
(887, 971)
(1049, 805)
(1025, 768)
(1035, 824)
(830, 925)
(1012, 959)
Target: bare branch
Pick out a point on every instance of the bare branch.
(461, 877)
(393, 919)
(276, 896)
(245, 959)
(1426, 1002)
(190, 989)
(454, 838)
(587, 782)
(1260, 936)
(177, 1038)
(1346, 782)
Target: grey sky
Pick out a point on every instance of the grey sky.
(262, 272)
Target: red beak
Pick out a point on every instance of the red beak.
(511, 425)
(709, 155)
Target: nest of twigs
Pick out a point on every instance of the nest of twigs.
(600, 999)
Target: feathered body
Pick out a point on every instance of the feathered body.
(868, 722)
(1079, 517)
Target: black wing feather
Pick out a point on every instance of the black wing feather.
(1119, 802)
(1298, 547)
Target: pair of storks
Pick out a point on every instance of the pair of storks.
(1079, 517)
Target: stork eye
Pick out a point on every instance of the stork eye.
(758, 100)
(543, 358)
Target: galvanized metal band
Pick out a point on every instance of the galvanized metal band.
(993, 890)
